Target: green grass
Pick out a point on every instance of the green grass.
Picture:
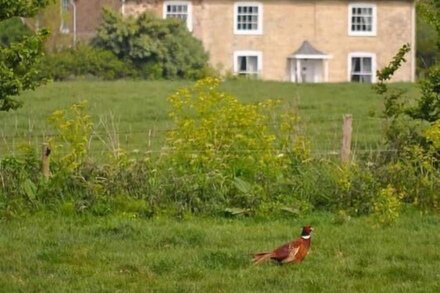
(138, 109)
(87, 254)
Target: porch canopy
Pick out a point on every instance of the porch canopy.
(317, 69)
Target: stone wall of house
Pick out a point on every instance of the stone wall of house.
(287, 23)
(135, 8)
(89, 16)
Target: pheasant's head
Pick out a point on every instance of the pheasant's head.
(306, 232)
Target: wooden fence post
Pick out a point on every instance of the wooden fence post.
(45, 162)
(346, 138)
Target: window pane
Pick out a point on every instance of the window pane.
(177, 11)
(355, 65)
(242, 63)
(362, 19)
(355, 78)
(65, 4)
(366, 78)
(252, 64)
(362, 69)
(247, 65)
(361, 78)
(247, 18)
(366, 65)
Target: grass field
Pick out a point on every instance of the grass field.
(88, 254)
(64, 252)
(137, 110)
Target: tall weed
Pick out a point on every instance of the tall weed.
(227, 153)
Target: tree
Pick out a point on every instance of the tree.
(427, 35)
(428, 106)
(13, 30)
(158, 48)
(19, 60)
(410, 119)
(427, 50)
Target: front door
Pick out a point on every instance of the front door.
(306, 70)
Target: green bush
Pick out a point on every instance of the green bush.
(413, 167)
(13, 30)
(158, 48)
(19, 183)
(86, 61)
(416, 176)
(226, 153)
(222, 157)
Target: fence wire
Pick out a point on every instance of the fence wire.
(324, 134)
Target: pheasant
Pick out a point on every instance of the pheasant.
(293, 251)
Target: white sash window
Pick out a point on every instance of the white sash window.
(362, 19)
(179, 9)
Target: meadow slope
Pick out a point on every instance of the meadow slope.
(137, 111)
(120, 253)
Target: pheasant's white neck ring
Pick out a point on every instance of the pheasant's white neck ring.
(306, 237)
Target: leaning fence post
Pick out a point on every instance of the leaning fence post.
(45, 162)
(346, 138)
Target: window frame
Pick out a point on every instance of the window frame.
(248, 53)
(373, 31)
(64, 9)
(362, 55)
(259, 30)
(189, 19)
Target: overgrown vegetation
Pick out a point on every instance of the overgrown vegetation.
(19, 59)
(412, 131)
(212, 159)
(157, 48)
(145, 47)
(86, 62)
(427, 38)
(231, 158)
(210, 165)
(13, 30)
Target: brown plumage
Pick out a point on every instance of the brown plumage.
(294, 251)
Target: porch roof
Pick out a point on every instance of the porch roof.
(307, 51)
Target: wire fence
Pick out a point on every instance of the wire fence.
(324, 134)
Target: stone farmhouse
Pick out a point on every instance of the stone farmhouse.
(285, 40)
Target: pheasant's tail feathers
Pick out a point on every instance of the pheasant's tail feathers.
(261, 257)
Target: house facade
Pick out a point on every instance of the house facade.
(292, 40)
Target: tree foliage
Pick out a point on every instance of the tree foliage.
(18, 61)
(158, 48)
(430, 9)
(85, 61)
(224, 152)
(427, 37)
(21, 8)
(428, 106)
(13, 30)
(413, 131)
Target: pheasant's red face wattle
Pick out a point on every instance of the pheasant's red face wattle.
(306, 231)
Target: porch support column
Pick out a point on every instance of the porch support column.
(298, 70)
(325, 70)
